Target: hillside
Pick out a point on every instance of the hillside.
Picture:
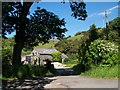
(50, 44)
(78, 37)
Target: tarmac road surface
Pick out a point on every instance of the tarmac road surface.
(81, 82)
(75, 81)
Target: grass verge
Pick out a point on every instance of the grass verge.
(103, 72)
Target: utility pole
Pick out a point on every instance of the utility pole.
(106, 16)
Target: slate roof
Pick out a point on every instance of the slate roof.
(45, 51)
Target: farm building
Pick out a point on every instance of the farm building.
(39, 55)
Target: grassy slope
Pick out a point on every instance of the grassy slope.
(78, 37)
(48, 45)
(53, 42)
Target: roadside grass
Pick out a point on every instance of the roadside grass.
(71, 63)
(103, 72)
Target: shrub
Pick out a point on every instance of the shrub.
(72, 58)
(57, 56)
(29, 71)
(39, 70)
(102, 52)
(7, 71)
(24, 71)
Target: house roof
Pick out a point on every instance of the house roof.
(45, 51)
(48, 51)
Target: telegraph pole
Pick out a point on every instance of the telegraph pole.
(106, 16)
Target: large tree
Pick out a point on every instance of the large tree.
(32, 30)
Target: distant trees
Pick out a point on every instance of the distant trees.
(93, 33)
(71, 46)
(67, 46)
(114, 24)
(114, 33)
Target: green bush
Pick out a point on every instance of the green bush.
(49, 73)
(102, 52)
(7, 46)
(39, 70)
(24, 71)
(71, 61)
(30, 71)
(7, 71)
(79, 68)
(57, 56)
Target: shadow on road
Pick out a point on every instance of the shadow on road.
(65, 71)
(62, 70)
(26, 84)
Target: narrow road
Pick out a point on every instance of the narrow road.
(74, 81)
(81, 82)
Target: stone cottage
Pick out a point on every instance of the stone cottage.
(39, 55)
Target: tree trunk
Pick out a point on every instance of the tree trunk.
(20, 33)
(17, 54)
(19, 43)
